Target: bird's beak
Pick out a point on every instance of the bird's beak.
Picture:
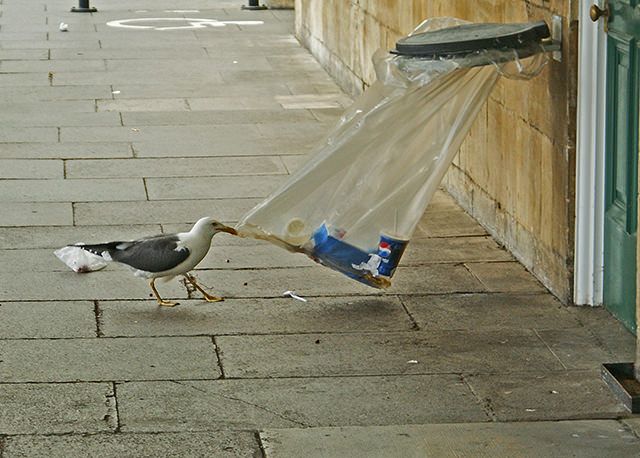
(229, 230)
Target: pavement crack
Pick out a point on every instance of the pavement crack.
(243, 401)
(218, 356)
(112, 417)
(623, 425)
(98, 315)
(485, 403)
(414, 324)
(550, 349)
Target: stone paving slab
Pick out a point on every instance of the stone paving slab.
(176, 445)
(259, 64)
(66, 150)
(70, 360)
(35, 260)
(633, 423)
(19, 54)
(617, 340)
(28, 134)
(176, 211)
(48, 93)
(31, 169)
(125, 77)
(80, 190)
(587, 439)
(119, 283)
(253, 316)
(454, 249)
(53, 107)
(161, 118)
(47, 44)
(259, 255)
(576, 348)
(320, 281)
(546, 396)
(233, 103)
(49, 119)
(436, 278)
(62, 284)
(176, 167)
(285, 403)
(61, 408)
(58, 65)
(317, 355)
(67, 285)
(184, 90)
(313, 131)
(293, 163)
(206, 134)
(54, 237)
(455, 223)
(126, 105)
(241, 145)
(213, 187)
(35, 214)
(489, 312)
(18, 80)
(46, 320)
(174, 52)
(505, 276)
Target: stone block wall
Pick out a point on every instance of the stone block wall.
(515, 171)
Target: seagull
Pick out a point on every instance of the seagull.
(164, 256)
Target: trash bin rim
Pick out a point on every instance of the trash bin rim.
(473, 38)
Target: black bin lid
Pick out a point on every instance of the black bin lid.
(468, 38)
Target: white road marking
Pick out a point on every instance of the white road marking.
(191, 23)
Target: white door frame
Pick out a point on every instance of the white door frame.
(589, 240)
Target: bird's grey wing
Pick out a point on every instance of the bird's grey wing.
(152, 254)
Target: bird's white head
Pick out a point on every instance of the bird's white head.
(211, 227)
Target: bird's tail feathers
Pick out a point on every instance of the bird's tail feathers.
(103, 250)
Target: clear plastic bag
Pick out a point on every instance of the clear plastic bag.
(79, 260)
(356, 202)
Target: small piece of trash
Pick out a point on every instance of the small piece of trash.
(554, 392)
(530, 410)
(412, 361)
(133, 129)
(293, 295)
(63, 27)
(575, 435)
(115, 92)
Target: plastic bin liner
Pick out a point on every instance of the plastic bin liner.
(356, 202)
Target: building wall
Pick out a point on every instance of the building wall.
(515, 171)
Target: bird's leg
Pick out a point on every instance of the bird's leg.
(207, 297)
(161, 301)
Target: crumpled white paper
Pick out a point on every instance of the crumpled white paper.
(79, 260)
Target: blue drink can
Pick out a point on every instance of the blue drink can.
(390, 250)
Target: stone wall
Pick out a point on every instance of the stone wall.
(515, 172)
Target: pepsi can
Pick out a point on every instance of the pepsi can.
(390, 250)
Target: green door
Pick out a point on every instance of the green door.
(621, 164)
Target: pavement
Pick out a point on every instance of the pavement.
(111, 132)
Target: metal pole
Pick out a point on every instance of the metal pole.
(254, 5)
(83, 7)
